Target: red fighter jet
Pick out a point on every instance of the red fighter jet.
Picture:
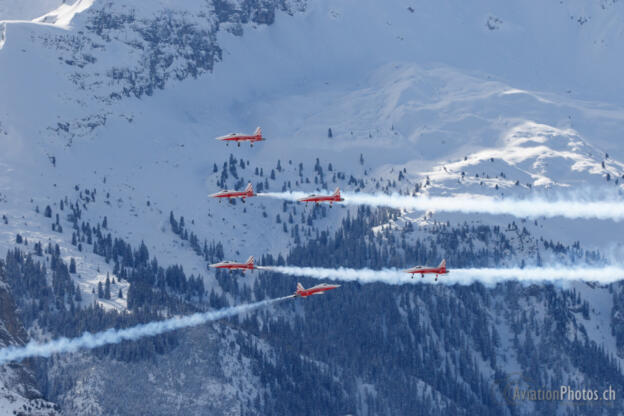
(231, 265)
(247, 193)
(335, 197)
(301, 292)
(240, 137)
(422, 270)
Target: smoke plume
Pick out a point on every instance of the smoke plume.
(115, 336)
(535, 207)
(487, 276)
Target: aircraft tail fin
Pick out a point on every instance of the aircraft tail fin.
(442, 264)
(337, 192)
(299, 287)
(249, 188)
(250, 260)
(258, 131)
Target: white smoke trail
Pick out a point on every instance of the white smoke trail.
(115, 336)
(535, 207)
(487, 276)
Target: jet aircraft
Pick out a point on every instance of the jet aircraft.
(335, 197)
(423, 270)
(240, 137)
(232, 265)
(247, 193)
(301, 292)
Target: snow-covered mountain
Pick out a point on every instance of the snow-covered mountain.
(110, 108)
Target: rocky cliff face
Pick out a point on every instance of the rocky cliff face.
(19, 394)
(163, 43)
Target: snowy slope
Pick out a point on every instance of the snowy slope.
(100, 115)
(27, 9)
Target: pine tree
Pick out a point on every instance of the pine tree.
(100, 291)
(38, 250)
(173, 222)
(72, 265)
(107, 288)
